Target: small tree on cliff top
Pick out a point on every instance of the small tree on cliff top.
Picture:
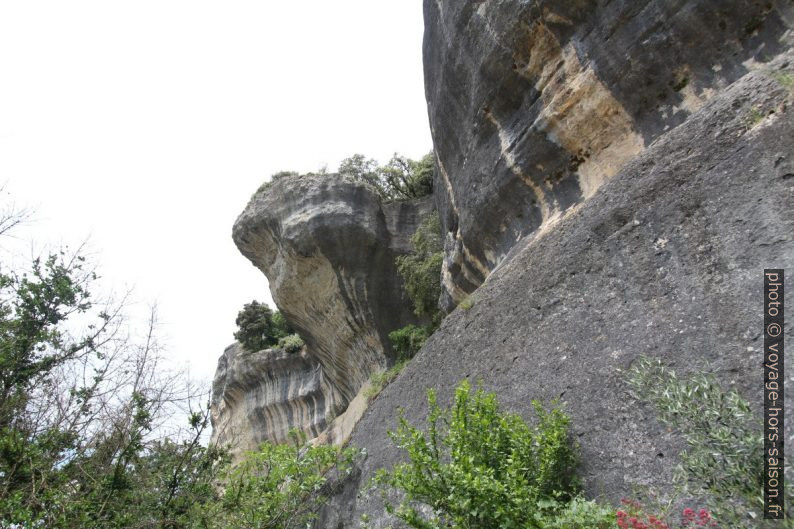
(400, 179)
(259, 327)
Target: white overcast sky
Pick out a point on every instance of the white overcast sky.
(145, 126)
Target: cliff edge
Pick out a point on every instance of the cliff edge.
(328, 248)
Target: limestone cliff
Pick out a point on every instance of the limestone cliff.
(260, 395)
(328, 248)
(534, 105)
(613, 177)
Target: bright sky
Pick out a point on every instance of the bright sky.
(145, 126)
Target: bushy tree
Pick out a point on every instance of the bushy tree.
(278, 486)
(400, 179)
(258, 327)
(476, 467)
(84, 411)
(362, 169)
(281, 328)
(408, 178)
(407, 340)
(421, 269)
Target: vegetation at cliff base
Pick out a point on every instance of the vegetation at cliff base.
(421, 269)
(94, 432)
(278, 486)
(475, 466)
(421, 274)
(724, 458)
(407, 340)
(380, 380)
(258, 327)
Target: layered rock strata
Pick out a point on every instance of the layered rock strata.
(328, 248)
(258, 396)
(534, 105)
(665, 260)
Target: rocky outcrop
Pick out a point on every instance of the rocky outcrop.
(666, 259)
(535, 105)
(261, 395)
(328, 248)
(613, 178)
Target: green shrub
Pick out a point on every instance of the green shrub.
(258, 327)
(477, 467)
(400, 179)
(467, 303)
(280, 327)
(725, 450)
(407, 340)
(421, 269)
(291, 344)
(579, 513)
(279, 486)
(379, 381)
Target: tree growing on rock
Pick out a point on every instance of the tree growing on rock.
(258, 327)
(400, 179)
(421, 269)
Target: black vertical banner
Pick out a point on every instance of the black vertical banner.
(774, 375)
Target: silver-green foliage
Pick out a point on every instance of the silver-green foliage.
(725, 449)
(291, 344)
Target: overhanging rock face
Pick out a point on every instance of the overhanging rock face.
(613, 179)
(534, 105)
(328, 248)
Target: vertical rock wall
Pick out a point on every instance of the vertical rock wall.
(534, 105)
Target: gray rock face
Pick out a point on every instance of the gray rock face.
(259, 396)
(660, 253)
(328, 249)
(534, 105)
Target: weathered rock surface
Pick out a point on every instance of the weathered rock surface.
(328, 248)
(613, 179)
(534, 105)
(260, 395)
(660, 253)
